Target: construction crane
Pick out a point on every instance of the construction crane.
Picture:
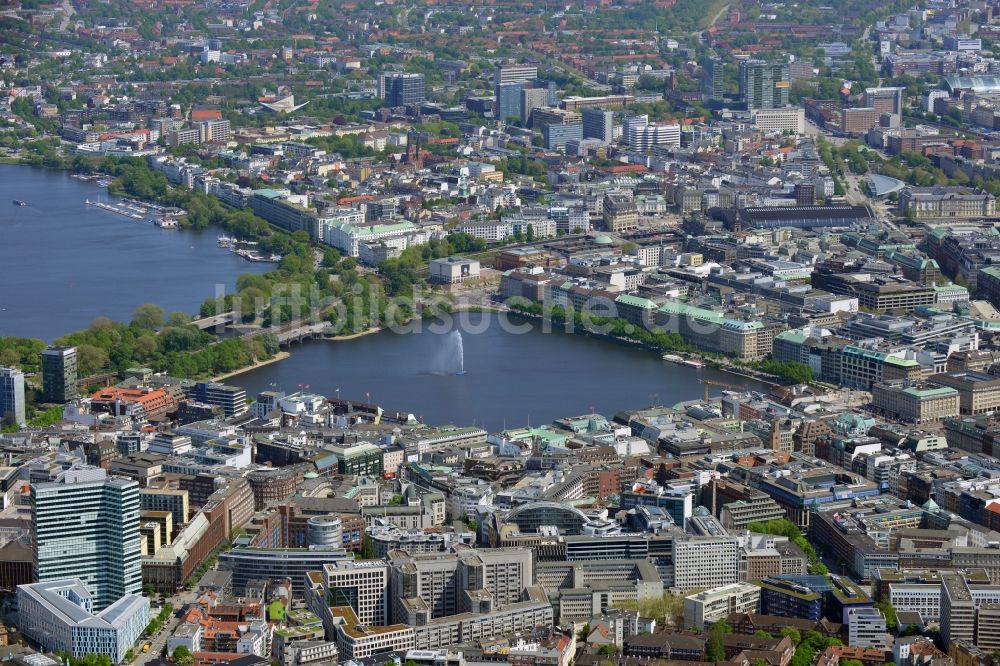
(712, 382)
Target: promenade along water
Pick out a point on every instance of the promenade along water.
(64, 263)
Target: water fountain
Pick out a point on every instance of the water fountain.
(458, 351)
(449, 357)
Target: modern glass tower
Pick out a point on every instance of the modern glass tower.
(85, 525)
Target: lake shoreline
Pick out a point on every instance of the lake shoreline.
(280, 356)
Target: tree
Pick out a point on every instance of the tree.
(182, 656)
(148, 316)
(367, 551)
(178, 319)
(90, 360)
(715, 649)
(608, 650)
(583, 633)
(793, 633)
(760, 633)
(9, 358)
(889, 611)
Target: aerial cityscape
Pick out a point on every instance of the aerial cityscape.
(499, 332)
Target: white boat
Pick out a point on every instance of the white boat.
(226, 241)
(673, 358)
(166, 223)
(693, 363)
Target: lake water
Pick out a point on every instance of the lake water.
(510, 379)
(63, 263)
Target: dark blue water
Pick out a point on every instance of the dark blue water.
(63, 263)
(510, 379)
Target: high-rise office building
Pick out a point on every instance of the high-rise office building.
(712, 78)
(508, 101)
(598, 123)
(513, 73)
(401, 88)
(764, 85)
(85, 525)
(11, 396)
(364, 586)
(531, 99)
(59, 374)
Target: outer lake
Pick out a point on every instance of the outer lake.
(63, 263)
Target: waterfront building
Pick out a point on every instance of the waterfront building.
(85, 525)
(61, 616)
(11, 396)
(59, 374)
(452, 270)
(232, 399)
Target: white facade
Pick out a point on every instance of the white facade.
(866, 628)
(490, 231)
(789, 119)
(716, 604)
(452, 270)
(644, 136)
(706, 562)
(370, 582)
(59, 616)
(349, 237)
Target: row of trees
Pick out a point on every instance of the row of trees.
(787, 528)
